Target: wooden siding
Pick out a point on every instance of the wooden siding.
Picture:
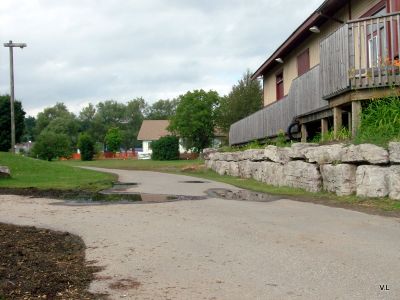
(335, 62)
(304, 96)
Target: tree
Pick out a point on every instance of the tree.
(86, 146)
(194, 118)
(244, 99)
(49, 114)
(86, 117)
(113, 139)
(51, 145)
(59, 120)
(161, 110)
(5, 122)
(166, 148)
(29, 132)
(133, 121)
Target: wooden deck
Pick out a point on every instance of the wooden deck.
(359, 58)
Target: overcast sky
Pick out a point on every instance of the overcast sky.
(82, 51)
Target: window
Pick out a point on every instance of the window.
(303, 62)
(373, 55)
(279, 86)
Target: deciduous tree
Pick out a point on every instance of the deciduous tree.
(244, 99)
(5, 122)
(194, 119)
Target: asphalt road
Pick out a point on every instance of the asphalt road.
(225, 249)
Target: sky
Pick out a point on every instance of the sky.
(87, 51)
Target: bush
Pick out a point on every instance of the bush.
(166, 148)
(50, 145)
(86, 146)
(380, 121)
(113, 139)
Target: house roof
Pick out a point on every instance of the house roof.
(325, 12)
(152, 130)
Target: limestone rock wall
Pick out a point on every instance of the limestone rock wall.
(366, 170)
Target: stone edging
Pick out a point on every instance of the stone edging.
(365, 170)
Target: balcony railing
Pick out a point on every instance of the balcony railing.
(304, 96)
(363, 53)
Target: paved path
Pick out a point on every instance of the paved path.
(224, 249)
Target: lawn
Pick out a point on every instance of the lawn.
(29, 172)
(130, 164)
(196, 168)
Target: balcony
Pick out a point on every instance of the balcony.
(362, 55)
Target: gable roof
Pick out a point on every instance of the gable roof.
(152, 130)
(325, 12)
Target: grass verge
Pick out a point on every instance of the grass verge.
(42, 175)
(196, 169)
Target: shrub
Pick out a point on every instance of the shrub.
(166, 148)
(50, 145)
(86, 146)
(113, 139)
(380, 121)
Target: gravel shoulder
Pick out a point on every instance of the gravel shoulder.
(224, 249)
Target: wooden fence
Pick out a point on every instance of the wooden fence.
(334, 63)
(304, 96)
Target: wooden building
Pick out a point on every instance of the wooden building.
(347, 51)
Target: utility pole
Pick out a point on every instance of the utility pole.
(11, 46)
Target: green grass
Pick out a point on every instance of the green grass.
(195, 169)
(380, 121)
(29, 172)
(150, 165)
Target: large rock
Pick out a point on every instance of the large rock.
(339, 179)
(210, 164)
(372, 181)
(299, 174)
(394, 152)
(233, 169)
(216, 156)
(253, 155)
(246, 168)
(297, 150)
(206, 153)
(273, 173)
(5, 172)
(277, 154)
(221, 167)
(257, 171)
(365, 153)
(324, 154)
(230, 156)
(394, 182)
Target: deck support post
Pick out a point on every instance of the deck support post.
(337, 121)
(355, 117)
(349, 121)
(324, 128)
(304, 133)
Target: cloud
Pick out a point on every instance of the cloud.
(93, 50)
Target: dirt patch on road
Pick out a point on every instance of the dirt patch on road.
(40, 263)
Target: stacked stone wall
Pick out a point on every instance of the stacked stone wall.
(365, 170)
